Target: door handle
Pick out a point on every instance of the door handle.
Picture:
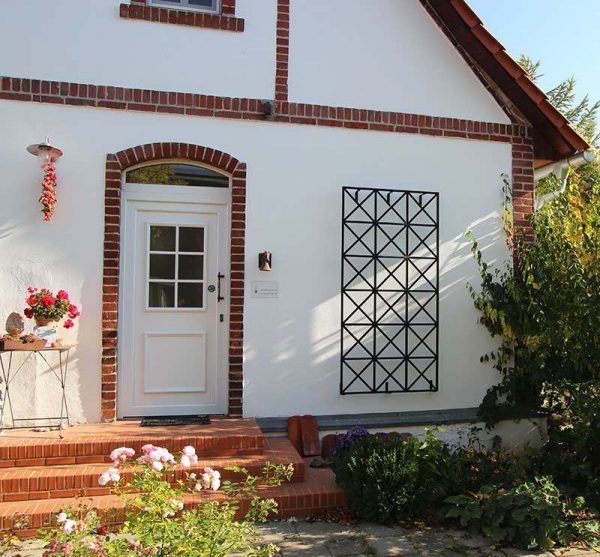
(219, 297)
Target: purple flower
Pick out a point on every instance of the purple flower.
(348, 439)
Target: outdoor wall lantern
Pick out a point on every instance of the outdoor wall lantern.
(45, 152)
(264, 261)
(46, 155)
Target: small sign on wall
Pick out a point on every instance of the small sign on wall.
(265, 289)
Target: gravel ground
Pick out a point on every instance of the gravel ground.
(324, 539)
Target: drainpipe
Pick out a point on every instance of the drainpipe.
(561, 170)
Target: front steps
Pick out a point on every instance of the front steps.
(40, 474)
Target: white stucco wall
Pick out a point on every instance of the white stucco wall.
(387, 54)
(380, 54)
(85, 41)
(295, 175)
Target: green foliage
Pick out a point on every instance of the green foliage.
(572, 455)
(156, 522)
(388, 478)
(547, 314)
(531, 515)
(155, 174)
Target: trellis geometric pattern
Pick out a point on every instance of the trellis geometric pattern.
(390, 282)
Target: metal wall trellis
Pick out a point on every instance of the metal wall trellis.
(390, 284)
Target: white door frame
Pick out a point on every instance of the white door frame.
(164, 195)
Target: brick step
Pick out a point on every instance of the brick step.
(85, 444)
(53, 482)
(317, 493)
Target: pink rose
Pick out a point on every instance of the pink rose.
(68, 324)
(62, 295)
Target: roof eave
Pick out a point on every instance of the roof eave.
(554, 137)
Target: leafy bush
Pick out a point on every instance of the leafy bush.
(155, 520)
(388, 478)
(531, 515)
(547, 313)
(572, 454)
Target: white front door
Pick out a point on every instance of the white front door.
(173, 301)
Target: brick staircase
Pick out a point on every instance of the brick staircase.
(41, 474)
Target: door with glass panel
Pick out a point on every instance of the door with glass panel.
(173, 302)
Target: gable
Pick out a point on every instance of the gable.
(384, 55)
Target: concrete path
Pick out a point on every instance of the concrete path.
(322, 539)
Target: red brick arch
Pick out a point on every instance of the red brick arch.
(115, 164)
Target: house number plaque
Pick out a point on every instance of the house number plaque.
(265, 289)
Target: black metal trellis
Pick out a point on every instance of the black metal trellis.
(390, 284)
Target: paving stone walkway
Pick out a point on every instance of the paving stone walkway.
(322, 539)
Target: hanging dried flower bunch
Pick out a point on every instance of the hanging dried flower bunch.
(48, 197)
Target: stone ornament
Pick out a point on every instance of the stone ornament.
(15, 325)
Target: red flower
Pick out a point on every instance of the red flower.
(68, 324)
(102, 530)
(47, 301)
(28, 313)
(31, 289)
(62, 295)
(73, 311)
(31, 300)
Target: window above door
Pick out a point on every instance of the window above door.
(177, 174)
(210, 6)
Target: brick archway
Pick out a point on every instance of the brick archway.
(115, 164)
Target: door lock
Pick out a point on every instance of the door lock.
(211, 288)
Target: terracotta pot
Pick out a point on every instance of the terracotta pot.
(295, 433)
(45, 321)
(328, 444)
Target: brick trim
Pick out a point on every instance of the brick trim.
(115, 164)
(159, 14)
(523, 186)
(192, 104)
(282, 56)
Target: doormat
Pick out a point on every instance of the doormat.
(155, 421)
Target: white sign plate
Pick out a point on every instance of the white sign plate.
(265, 289)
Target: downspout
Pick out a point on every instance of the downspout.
(561, 170)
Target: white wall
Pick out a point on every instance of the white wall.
(386, 54)
(85, 41)
(380, 54)
(295, 175)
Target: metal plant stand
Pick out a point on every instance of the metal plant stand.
(9, 373)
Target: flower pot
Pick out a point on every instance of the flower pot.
(45, 321)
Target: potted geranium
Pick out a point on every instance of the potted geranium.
(47, 308)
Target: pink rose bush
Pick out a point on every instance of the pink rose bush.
(156, 519)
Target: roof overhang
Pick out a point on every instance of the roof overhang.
(554, 138)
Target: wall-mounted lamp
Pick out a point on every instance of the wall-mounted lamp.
(45, 152)
(264, 261)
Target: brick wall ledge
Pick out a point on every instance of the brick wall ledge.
(192, 104)
(181, 17)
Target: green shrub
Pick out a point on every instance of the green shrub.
(572, 454)
(531, 515)
(390, 478)
(547, 312)
(156, 522)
